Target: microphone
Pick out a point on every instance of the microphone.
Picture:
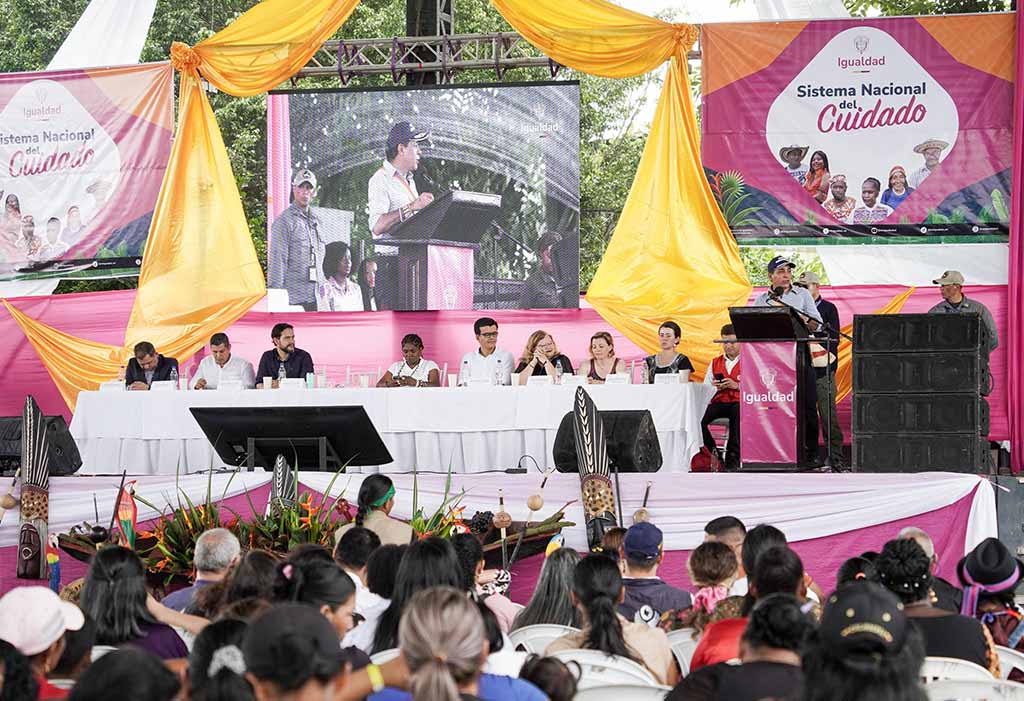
(429, 181)
(777, 291)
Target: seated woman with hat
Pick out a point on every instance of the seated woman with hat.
(989, 575)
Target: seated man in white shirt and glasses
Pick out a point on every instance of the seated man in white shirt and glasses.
(222, 366)
(488, 362)
(413, 370)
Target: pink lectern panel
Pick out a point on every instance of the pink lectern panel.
(768, 410)
(449, 277)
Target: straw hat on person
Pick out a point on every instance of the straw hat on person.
(785, 150)
(931, 143)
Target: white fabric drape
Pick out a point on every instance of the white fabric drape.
(803, 506)
(801, 9)
(469, 429)
(109, 33)
(71, 498)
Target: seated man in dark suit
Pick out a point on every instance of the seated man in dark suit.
(148, 367)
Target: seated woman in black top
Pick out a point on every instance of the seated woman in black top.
(667, 360)
(602, 361)
(904, 569)
(541, 357)
(769, 652)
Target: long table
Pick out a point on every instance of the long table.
(472, 429)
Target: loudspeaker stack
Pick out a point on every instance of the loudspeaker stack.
(919, 382)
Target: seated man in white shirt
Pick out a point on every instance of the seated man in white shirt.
(221, 366)
(352, 553)
(488, 362)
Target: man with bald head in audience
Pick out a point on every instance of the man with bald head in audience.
(945, 595)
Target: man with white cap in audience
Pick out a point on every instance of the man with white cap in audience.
(954, 301)
(34, 620)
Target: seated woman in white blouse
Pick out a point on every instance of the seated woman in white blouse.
(413, 371)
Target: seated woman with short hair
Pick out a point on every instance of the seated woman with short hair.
(541, 357)
(668, 360)
(413, 370)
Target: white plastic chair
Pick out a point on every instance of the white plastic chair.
(623, 692)
(953, 669)
(537, 638)
(992, 690)
(1008, 659)
(599, 669)
(384, 655)
(683, 645)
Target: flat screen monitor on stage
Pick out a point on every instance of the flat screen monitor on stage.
(431, 198)
(324, 437)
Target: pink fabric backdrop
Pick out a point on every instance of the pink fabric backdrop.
(821, 556)
(366, 342)
(1015, 374)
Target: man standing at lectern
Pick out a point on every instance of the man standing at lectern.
(781, 291)
(392, 198)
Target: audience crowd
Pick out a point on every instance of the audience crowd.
(260, 627)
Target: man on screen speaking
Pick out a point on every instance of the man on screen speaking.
(392, 198)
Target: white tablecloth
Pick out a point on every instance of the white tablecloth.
(472, 429)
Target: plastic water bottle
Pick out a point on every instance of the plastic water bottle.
(174, 377)
(282, 373)
(499, 372)
(558, 371)
(121, 373)
(464, 374)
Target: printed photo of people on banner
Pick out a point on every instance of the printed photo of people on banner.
(441, 198)
(892, 129)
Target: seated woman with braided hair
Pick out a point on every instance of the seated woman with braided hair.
(376, 499)
(904, 568)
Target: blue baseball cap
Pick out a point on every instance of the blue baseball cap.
(642, 542)
(777, 262)
(404, 132)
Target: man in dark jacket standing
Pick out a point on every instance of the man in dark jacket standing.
(825, 376)
(647, 596)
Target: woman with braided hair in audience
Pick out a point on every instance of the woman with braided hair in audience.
(769, 655)
(444, 644)
(597, 589)
(375, 502)
(904, 569)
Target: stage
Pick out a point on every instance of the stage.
(827, 517)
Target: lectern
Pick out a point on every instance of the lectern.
(436, 248)
(774, 382)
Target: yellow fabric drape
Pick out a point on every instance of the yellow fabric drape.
(672, 255)
(74, 363)
(200, 272)
(269, 44)
(597, 37)
(844, 366)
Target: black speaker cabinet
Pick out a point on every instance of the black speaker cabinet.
(925, 413)
(886, 333)
(64, 456)
(921, 452)
(896, 372)
(631, 437)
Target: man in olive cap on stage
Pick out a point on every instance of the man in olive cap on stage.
(955, 302)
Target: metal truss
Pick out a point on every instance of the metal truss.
(445, 55)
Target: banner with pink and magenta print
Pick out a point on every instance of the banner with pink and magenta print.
(881, 130)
